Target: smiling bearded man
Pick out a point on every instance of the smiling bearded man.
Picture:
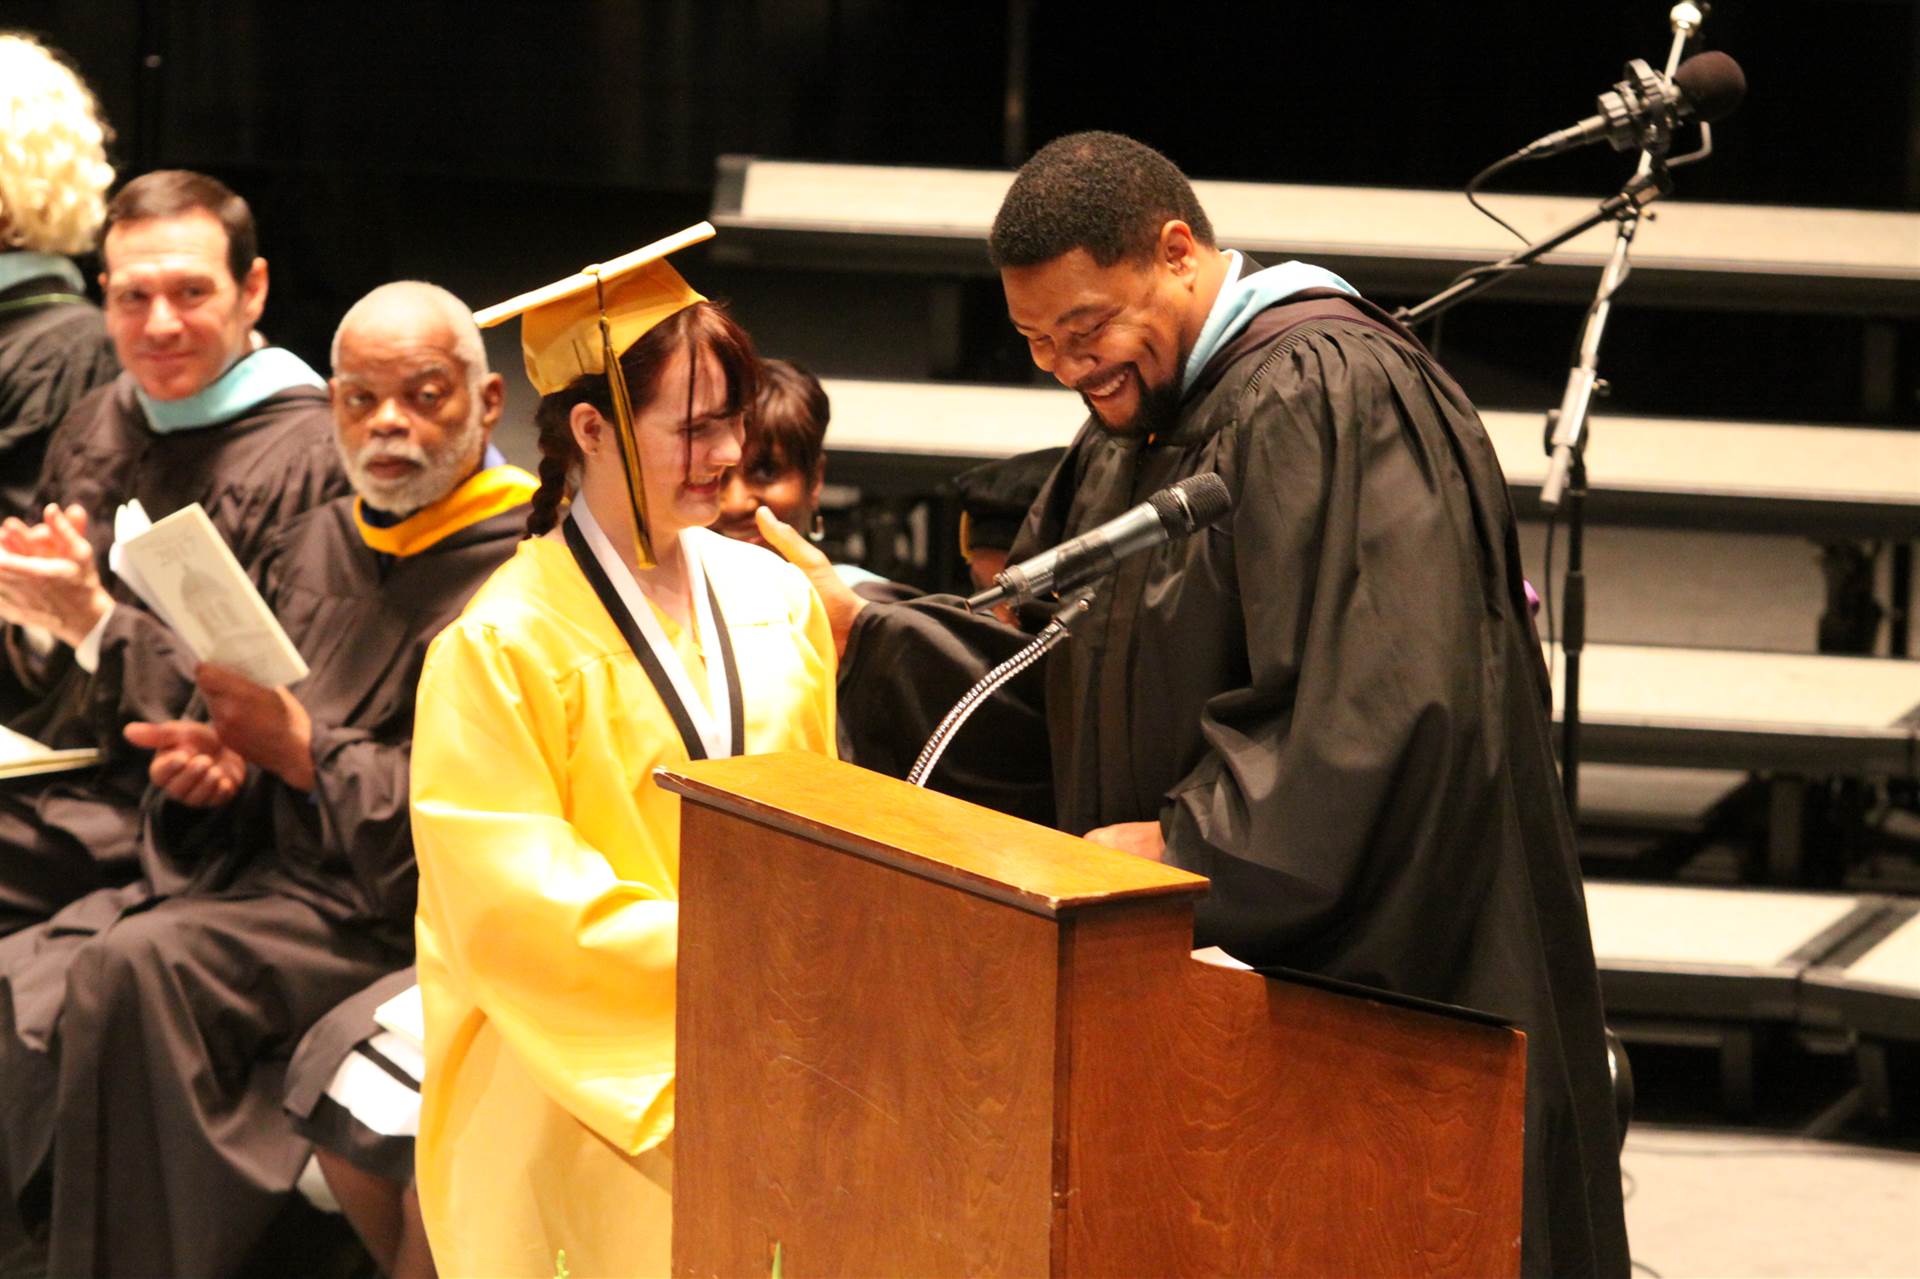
(1332, 704)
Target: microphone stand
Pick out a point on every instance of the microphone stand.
(1640, 191)
(1566, 426)
(1567, 437)
(1050, 637)
(1567, 475)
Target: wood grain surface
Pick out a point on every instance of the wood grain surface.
(1222, 1123)
(865, 1067)
(924, 832)
(890, 1069)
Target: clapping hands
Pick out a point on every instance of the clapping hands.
(204, 764)
(48, 577)
(190, 762)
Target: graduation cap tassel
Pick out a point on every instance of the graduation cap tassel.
(617, 301)
(624, 431)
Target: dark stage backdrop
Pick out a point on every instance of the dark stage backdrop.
(491, 147)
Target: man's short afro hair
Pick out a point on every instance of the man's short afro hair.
(1101, 192)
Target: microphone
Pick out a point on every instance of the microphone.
(1643, 109)
(1175, 511)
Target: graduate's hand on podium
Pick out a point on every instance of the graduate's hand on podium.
(48, 577)
(836, 596)
(190, 762)
(268, 726)
(1142, 839)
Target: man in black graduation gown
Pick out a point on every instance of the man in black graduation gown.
(202, 414)
(146, 1030)
(1332, 704)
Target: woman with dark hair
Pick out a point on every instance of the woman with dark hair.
(623, 636)
(782, 467)
(783, 463)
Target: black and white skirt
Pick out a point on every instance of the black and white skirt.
(354, 1082)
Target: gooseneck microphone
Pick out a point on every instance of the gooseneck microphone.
(1175, 511)
(1643, 109)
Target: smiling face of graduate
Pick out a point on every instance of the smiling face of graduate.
(689, 435)
(1119, 334)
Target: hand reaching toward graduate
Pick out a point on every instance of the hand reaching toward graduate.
(190, 763)
(1142, 839)
(48, 577)
(836, 596)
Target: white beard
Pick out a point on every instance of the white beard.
(440, 471)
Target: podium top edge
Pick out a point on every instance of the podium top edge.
(924, 833)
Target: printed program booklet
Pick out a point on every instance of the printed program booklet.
(183, 569)
(21, 756)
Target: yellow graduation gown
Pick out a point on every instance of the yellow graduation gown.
(549, 870)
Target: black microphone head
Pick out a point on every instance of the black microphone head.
(1712, 84)
(1193, 503)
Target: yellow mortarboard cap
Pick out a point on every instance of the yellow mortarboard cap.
(560, 322)
(583, 324)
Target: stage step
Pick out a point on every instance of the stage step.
(1870, 987)
(1659, 799)
(906, 219)
(1721, 968)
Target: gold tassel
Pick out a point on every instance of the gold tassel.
(624, 430)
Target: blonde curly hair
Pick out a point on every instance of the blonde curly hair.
(54, 173)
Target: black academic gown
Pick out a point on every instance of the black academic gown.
(1000, 760)
(64, 834)
(145, 1031)
(1333, 703)
(51, 354)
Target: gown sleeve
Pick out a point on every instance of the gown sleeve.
(360, 794)
(70, 356)
(309, 475)
(571, 965)
(816, 632)
(145, 673)
(1329, 783)
(906, 665)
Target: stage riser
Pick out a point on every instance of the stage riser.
(1817, 967)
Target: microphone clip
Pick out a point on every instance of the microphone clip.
(1639, 110)
(1637, 114)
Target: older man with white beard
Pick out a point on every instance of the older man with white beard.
(144, 1032)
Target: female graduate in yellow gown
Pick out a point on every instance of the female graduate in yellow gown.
(548, 856)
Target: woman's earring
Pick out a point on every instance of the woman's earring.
(817, 529)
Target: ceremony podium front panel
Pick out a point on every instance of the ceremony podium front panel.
(917, 1037)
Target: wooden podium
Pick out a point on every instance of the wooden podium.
(920, 1038)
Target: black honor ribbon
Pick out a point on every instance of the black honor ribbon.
(649, 661)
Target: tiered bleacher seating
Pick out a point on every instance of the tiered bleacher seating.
(1670, 472)
(1870, 989)
(1715, 967)
(875, 217)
